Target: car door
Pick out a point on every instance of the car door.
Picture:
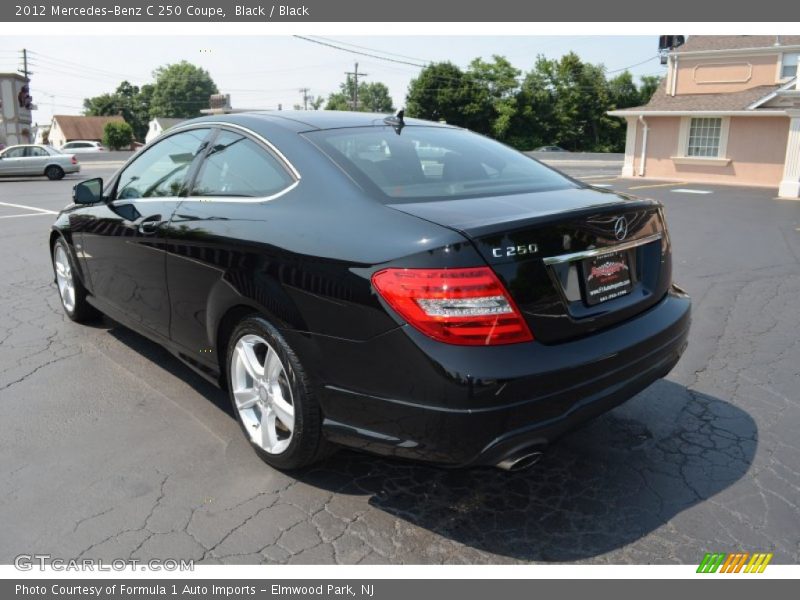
(215, 229)
(13, 161)
(123, 239)
(35, 160)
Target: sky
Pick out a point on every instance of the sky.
(265, 71)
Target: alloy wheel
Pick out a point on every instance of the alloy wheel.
(262, 394)
(66, 285)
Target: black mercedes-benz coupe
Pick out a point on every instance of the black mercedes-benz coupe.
(400, 286)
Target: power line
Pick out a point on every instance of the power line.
(639, 64)
(423, 60)
(329, 45)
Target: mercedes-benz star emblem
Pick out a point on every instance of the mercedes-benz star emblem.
(621, 228)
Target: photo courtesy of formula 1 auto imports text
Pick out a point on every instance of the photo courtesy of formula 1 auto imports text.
(350, 299)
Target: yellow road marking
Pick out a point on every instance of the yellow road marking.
(656, 185)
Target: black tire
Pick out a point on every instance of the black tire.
(307, 444)
(80, 311)
(54, 172)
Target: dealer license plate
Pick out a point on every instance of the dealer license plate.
(606, 277)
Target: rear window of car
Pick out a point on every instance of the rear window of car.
(434, 163)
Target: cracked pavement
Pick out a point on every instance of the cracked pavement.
(110, 448)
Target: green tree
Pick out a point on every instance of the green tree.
(443, 92)
(623, 91)
(117, 135)
(534, 122)
(372, 97)
(494, 86)
(128, 100)
(648, 84)
(316, 103)
(180, 90)
(580, 96)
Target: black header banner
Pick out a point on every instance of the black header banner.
(465, 11)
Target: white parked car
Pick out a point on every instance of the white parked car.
(32, 159)
(81, 146)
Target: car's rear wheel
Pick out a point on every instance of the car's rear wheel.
(70, 288)
(54, 172)
(272, 396)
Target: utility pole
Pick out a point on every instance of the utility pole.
(355, 75)
(25, 72)
(305, 91)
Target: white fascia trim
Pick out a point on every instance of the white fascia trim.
(697, 113)
(790, 84)
(761, 50)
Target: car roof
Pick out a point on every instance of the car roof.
(82, 142)
(306, 120)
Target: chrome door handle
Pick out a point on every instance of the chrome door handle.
(150, 225)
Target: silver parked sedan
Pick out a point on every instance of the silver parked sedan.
(30, 159)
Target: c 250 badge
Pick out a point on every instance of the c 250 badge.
(520, 250)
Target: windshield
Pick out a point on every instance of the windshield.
(434, 163)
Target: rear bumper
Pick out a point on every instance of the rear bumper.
(404, 395)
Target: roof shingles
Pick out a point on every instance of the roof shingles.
(84, 128)
(727, 101)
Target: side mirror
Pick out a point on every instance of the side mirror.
(88, 192)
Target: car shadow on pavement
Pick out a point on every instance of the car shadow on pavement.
(597, 489)
(165, 360)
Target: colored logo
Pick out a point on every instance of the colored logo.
(607, 269)
(738, 562)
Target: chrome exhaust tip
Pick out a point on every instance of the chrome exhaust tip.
(521, 461)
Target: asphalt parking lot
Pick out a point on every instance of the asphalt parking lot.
(111, 448)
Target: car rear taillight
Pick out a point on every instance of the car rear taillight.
(74, 160)
(458, 306)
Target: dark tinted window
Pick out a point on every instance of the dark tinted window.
(434, 162)
(34, 151)
(161, 170)
(238, 166)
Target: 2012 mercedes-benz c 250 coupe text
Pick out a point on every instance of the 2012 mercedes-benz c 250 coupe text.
(395, 285)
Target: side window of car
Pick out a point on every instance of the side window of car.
(161, 170)
(238, 166)
(34, 151)
(14, 153)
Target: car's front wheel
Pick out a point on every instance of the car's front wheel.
(70, 288)
(54, 172)
(273, 397)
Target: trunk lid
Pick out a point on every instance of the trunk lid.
(574, 260)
